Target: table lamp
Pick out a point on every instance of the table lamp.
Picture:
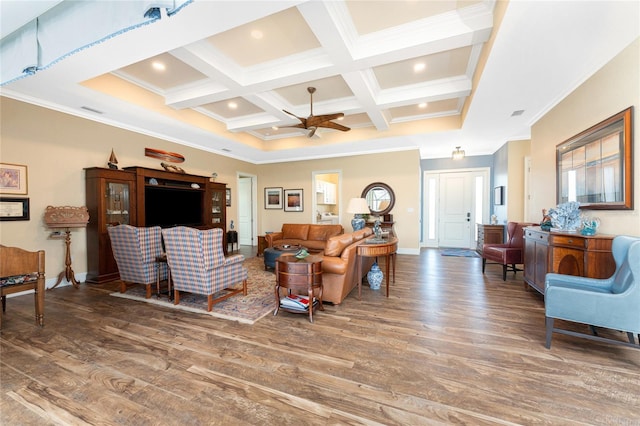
(66, 217)
(359, 207)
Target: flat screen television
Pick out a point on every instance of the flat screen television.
(168, 207)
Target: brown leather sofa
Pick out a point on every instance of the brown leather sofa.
(311, 236)
(339, 264)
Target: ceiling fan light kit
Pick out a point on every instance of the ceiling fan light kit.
(312, 122)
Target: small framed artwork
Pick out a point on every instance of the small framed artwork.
(13, 179)
(14, 208)
(293, 201)
(273, 198)
(228, 197)
(498, 195)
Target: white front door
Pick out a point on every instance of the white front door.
(455, 212)
(245, 226)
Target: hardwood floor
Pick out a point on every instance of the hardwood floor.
(449, 346)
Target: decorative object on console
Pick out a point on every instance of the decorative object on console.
(113, 161)
(375, 276)
(66, 217)
(545, 225)
(214, 176)
(302, 253)
(172, 168)
(171, 157)
(358, 207)
(565, 217)
(589, 225)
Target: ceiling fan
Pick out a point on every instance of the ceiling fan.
(312, 122)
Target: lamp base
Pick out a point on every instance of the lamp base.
(357, 223)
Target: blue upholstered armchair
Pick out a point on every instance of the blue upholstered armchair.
(612, 303)
(136, 251)
(198, 265)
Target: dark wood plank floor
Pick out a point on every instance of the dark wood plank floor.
(450, 346)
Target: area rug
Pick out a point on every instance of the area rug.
(457, 252)
(258, 302)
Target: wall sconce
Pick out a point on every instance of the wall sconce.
(457, 154)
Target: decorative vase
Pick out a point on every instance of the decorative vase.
(357, 223)
(374, 276)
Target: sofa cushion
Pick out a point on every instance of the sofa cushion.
(337, 243)
(323, 232)
(364, 232)
(295, 231)
(334, 265)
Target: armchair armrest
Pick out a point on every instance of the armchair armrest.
(234, 258)
(571, 281)
(272, 238)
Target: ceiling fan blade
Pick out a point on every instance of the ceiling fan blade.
(312, 131)
(336, 126)
(316, 120)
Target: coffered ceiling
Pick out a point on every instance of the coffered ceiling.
(406, 74)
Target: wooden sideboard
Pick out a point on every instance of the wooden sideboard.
(563, 253)
(489, 234)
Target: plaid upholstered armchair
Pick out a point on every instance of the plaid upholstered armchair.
(136, 251)
(198, 265)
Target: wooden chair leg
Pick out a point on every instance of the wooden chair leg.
(484, 263)
(504, 272)
(549, 327)
(631, 338)
(148, 293)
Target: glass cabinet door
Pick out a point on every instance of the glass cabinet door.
(117, 203)
(217, 206)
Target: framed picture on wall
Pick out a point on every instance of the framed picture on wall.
(14, 208)
(498, 195)
(13, 179)
(273, 198)
(293, 201)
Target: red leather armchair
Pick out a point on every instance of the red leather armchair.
(509, 253)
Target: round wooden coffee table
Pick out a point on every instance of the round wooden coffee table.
(302, 275)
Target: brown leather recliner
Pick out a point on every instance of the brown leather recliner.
(509, 253)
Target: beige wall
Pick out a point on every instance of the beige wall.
(517, 151)
(399, 170)
(612, 89)
(56, 147)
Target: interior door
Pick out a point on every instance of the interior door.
(456, 210)
(245, 226)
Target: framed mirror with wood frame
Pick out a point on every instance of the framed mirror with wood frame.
(595, 167)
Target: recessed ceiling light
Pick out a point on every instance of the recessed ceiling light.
(158, 66)
(422, 105)
(274, 127)
(257, 34)
(419, 67)
(232, 105)
(341, 118)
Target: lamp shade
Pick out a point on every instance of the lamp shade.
(358, 206)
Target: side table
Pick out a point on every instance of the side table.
(387, 249)
(262, 244)
(232, 238)
(301, 274)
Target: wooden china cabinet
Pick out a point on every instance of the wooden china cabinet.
(142, 196)
(110, 196)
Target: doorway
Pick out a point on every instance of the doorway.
(247, 210)
(326, 206)
(455, 201)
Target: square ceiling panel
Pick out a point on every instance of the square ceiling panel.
(445, 64)
(326, 89)
(273, 37)
(390, 14)
(162, 71)
(232, 108)
(435, 108)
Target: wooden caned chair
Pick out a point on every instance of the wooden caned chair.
(22, 270)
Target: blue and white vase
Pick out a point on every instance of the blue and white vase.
(374, 276)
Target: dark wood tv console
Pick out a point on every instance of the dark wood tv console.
(116, 197)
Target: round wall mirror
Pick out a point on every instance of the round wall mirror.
(380, 198)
